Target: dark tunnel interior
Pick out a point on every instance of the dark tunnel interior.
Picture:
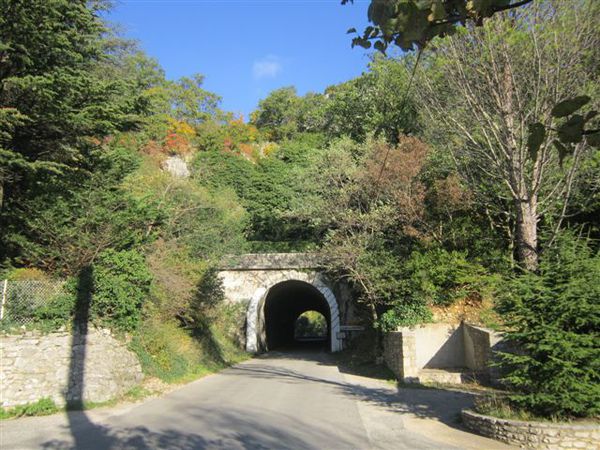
(284, 303)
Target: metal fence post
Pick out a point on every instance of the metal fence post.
(3, 299)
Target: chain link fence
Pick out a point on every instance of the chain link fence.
(23, 300)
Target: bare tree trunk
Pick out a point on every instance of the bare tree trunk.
(527, 241)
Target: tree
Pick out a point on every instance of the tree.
(413, 24)
(508, 73)
(189, 102)
(54, 102)
(553, 316)
(277, 114)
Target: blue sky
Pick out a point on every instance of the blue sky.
(247, 48)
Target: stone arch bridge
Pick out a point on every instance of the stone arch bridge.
(278, 288)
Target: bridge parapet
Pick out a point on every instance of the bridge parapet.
(271, 261)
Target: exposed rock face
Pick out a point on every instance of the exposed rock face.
(176, 166)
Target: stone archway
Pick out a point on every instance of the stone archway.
(254, 327)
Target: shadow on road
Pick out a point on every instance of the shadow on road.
(235, 429)
(431, 403)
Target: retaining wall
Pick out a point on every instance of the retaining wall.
(65, 367)
(540, 435)
(408, 351)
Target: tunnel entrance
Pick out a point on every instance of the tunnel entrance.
(284, 304)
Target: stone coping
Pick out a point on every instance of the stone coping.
(271, 261)
(543, 435)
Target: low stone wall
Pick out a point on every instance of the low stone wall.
(65, 366)
(541, 435)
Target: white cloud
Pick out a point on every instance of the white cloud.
(267, 67)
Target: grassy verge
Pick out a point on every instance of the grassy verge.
(43, 407)
(47, 406)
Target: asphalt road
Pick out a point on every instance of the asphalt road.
(280, 401)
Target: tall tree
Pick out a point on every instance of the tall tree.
(278, 113)
(53, 101)
(486, 86)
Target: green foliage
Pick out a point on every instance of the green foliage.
(43, 407)
(553, 318)
(439, 277)
(271, 190)
(207, 220)
(56, 313)
(310, 324)
(377, 102)
(413, 23)
(121, 285)
(432, 277)
(54, 98)
(189, 102)
(68, 225)
(208, 296)
(174, 354)
(404, 314)
(277, 114)
(165, 350)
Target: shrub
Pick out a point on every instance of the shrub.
(121, 284)
(208, 295)
(172, 353)
(429, 277)
(56, 313)
(36, 300)
(164, 349)
(404, 314)
(439, 277)
(553, 317)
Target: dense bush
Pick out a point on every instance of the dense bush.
(430, 277)
(403, 314)
(121, 283)
(438, 276)
(553, 317)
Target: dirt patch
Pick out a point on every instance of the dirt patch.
(475, 311)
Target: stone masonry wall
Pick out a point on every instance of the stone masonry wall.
(399, 354)
(540, 435)
(392, 353)
(35, 365)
